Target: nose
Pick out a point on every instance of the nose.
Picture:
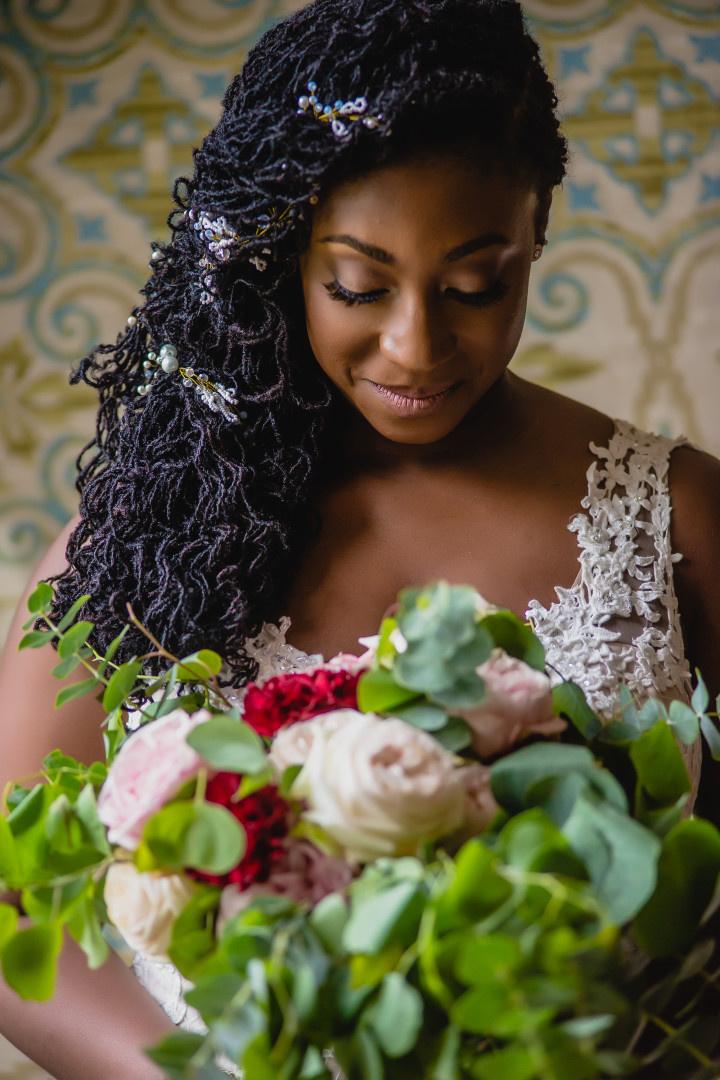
(417, 338)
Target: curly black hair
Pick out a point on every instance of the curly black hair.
(197, 521)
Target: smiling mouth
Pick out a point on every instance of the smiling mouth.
(408, 400)
(416, 393)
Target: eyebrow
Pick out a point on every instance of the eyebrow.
(490, 239)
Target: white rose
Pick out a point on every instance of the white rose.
(292, 745)
(144, 907)
(379, 787)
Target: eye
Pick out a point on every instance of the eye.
(339, 292)
(497, 291)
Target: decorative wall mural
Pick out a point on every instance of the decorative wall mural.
(101, 102)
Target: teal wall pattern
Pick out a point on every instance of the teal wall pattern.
(101, 102)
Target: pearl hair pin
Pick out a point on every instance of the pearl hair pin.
(339, 116)
(218, 398)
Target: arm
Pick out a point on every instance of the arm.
(98, 1022)
(695, 487)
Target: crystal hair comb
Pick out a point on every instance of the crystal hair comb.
(339, 116)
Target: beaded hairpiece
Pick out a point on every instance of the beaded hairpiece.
(223, 243)
(339, 116)
(217, 397)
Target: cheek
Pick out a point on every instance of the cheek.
(336, 340)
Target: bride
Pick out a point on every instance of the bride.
(312, 409)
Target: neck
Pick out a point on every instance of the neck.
(490, 424)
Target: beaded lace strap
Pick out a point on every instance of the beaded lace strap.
(620, 621)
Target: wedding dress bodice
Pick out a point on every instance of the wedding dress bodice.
(617, 623)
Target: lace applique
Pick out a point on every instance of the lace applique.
(619, 622)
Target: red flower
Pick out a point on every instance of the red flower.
(264, 815)
(286, 699)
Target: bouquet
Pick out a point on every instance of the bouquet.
(426, 861)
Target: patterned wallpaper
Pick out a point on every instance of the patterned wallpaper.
(101, 101)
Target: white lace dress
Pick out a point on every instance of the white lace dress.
(618, 622)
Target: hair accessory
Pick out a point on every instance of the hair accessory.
(339, 116)
(216, 396)
(223, 244)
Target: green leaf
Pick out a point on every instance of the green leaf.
(200, 835)
(512, 1063)
(287, 779)
(87, 812)
(28, 812)
(455, 736)
(701, 698)
(525, 777)
(192, 940)
(8, 923)
(214, 993)
(69, 616)
(120, 684)
(684, 722)
(76, 690)
(9, 867)
(35, 639)
(621, 856)
(230, 745)
(515, 637)
(660, 765)
(84, 926)
(688, 872)
(74, 638)
(368, 1056)
(45, 904)
(199, 667)
(712, 737)
(570, 701)
(397, 1015)
(378, 692)
(174, 1052)
(476, 889)
(112, 649)
(328, 919)
(41, 598)
(29, 961)
(490, 956)
(424, 716)
(375, 921)
(444, 1065)
(215, 841)
(66, 667)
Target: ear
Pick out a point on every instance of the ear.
(542, 215)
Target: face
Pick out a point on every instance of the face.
(415, 285)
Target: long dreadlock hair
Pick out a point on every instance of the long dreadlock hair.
(197, 521)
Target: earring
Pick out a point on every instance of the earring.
(537, 252)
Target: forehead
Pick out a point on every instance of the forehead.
(433, 199)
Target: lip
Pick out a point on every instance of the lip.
(414, 401)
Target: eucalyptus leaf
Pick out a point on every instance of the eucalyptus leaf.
(711, 736)
(570, 701)
(701, 697)
(230, 745)
(69, 616)
(425, 716)
(215, 841)
(455, 735)
(328, 919)
(379, 692)
(374, 922)
(120, 684)
(41, 598)
(514, 637)
(29, 961)
(620, 854)
(75, 690)
(660, 765)
(688, 871)
(200, 666)
(74, 638)
(684, 722)
(397, 1015)
(35, 639)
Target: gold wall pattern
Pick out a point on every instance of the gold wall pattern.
(102, 100)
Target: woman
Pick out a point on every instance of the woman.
(312, 409)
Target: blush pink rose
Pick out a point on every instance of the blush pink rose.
(517, 704)
(151, 767)
(304, 874)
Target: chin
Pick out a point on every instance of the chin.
(416, 431)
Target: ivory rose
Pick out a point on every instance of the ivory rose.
(304, 874)
(151, 767)
(379, 787)
(292, 745)
(144, 907)
(517, 704)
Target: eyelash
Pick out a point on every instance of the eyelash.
(493, 295)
